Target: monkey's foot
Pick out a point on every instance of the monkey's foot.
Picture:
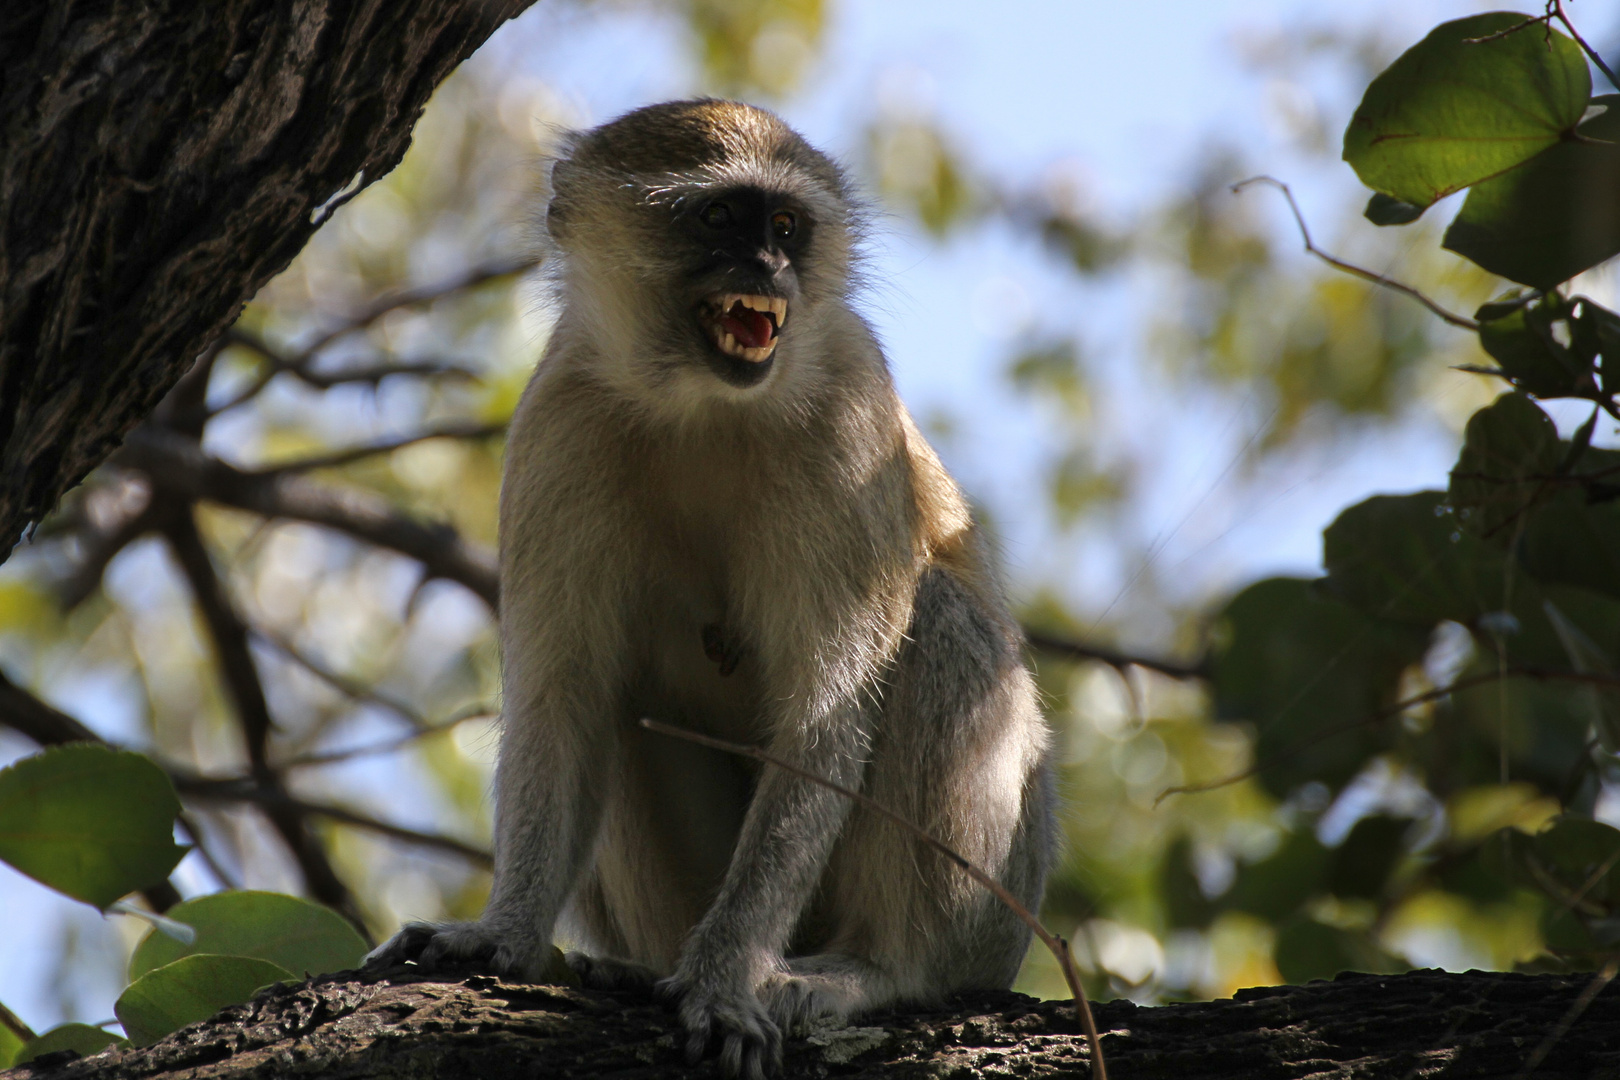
(795, 998)
(444, 946)
(605, 973)
(734, 1017)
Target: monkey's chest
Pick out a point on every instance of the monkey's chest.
(697, 667)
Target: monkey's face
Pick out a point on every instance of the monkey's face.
(744, 245)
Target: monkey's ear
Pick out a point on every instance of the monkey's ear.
(558, 213)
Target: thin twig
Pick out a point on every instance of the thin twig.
(475, 712)
(243, 789)
(1348, 267)
(1041, 641)
(351, 454)
(13, 1023)
(342, 683)
(1556, 7)
(412, 297)
(1529, 21)
(1056, 943)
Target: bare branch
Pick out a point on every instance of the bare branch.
(1057, 944)
(1077, 650)
(1556, 7)
(241, 677)
(275, 798)
(475, 712)
(356, 453)
(342, 683)
(101, 546)
(179, 465)
(11, 1022)
(1351, 268)
(412, 297)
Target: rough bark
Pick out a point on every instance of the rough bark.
(160, 160)
(1424, 1024)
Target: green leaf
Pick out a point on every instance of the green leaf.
(1308, 950)
(1277, 886)
(1301, 665)
(1547, 220)
(90, 821)
(1510, 451)
(300, 936)
(1582, 854)
(1184, 900)
(1522, 343)
(1449, 113)
(10, 1045)
(82, 1039)
(1383, 210)
(1575, 542)
(1404, 557)
(192, 988)
(1363, 863)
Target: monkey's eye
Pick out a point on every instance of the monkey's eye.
(717, 215)
(783, 224)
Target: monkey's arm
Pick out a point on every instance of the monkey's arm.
(786, 837)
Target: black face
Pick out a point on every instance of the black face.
(746, 244)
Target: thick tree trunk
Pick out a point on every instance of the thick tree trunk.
(160, 160)
(1424, 1024)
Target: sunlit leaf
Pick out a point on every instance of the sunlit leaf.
(1547, 220)
(1451, 112)
(82, 1039)
(302, 937)
(192, 988)
(90, 821)
(10, 1044)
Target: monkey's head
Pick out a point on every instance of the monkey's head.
(700, 239)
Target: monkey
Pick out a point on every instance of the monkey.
(716, 512)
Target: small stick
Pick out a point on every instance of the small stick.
(1058, 946)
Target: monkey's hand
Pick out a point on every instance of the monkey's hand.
(442, 946)
(714, 1005)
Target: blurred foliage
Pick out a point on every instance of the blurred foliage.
(1410, 759)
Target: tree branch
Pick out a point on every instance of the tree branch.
(351, 454)
(1041, 641)
(241, 677)
(177, 464)
(1348, 267)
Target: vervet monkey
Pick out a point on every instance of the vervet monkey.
(717, 513)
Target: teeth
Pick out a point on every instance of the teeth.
(774, 306)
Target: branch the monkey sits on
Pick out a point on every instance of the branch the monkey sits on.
(717, 513)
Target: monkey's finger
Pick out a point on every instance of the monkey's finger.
(697, 1042)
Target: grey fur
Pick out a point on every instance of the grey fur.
(802, 526)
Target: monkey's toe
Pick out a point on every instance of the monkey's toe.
(605, 973)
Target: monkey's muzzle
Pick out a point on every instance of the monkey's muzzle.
(743, 325)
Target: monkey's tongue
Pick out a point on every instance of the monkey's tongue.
(752, 329)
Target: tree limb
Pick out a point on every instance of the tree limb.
(180, 465)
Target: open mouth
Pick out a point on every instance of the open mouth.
(743, 325)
